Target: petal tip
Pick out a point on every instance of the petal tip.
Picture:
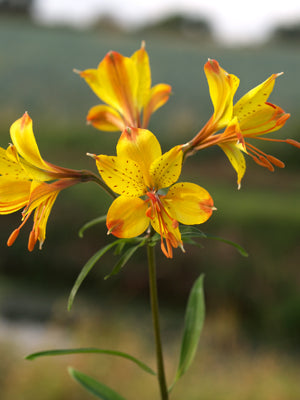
(91, 155)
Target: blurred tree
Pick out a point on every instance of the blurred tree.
(287, 33)
(16, 7)
(180, 24)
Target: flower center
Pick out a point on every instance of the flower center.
(162, 222)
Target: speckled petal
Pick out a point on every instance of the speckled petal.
(141, 146)
(166, 169)
(123, 175)
(252, 101)
(268, 118)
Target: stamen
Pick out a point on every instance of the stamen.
(13, 236)
(276, 161)
(32, 240)
(259, 157)
(157, 210)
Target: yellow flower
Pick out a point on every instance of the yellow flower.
(124, 84)
(138, 174)
(251, 117)
(26, 180)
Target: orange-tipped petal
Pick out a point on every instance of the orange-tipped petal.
(115, 81)
(264, 119)
(222, 87)
(189, 203)
(252, 101)
(25, 146)
(23, 139)
(157, 97)
(105, 118)
(126, 217)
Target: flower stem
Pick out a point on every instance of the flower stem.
(156, 326)
(90, 176)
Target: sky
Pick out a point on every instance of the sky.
(233, 21)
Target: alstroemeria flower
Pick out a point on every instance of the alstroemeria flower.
(138, 174)
(251, 117)
(27, 181)
(124, 84)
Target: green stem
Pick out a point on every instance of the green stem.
(156, 325)
(88, 176)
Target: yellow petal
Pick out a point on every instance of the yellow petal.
(14, 195)
(233, 151)
(252, 101)
(141, 146)
(188, 203)
(40, 220)
(222, 87)
(141, 60)
(41, 191)
(23, 138)
(115, 82)
(268, 118)
(157, 97)
(10, 166)
(105, 118)
(123, 175)
(165, 170)
(126, 217)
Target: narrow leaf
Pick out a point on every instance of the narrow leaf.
(194, 318)
(239, 248)
(61, 352)
(192, 232)
(191, 241)
(91, 385)
(90, 224)
(124, 259)
(86, 269)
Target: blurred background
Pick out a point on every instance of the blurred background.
(250, 345)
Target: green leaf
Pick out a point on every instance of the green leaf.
(86, 269)
(124, 259)
(187, 233)
(194, 318)
(91, 385)
(192, 232)
(191, 241)
(119, 248)
(90, 224)
(239, 248)
(61, 352)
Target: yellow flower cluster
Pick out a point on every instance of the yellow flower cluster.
(143, 177)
